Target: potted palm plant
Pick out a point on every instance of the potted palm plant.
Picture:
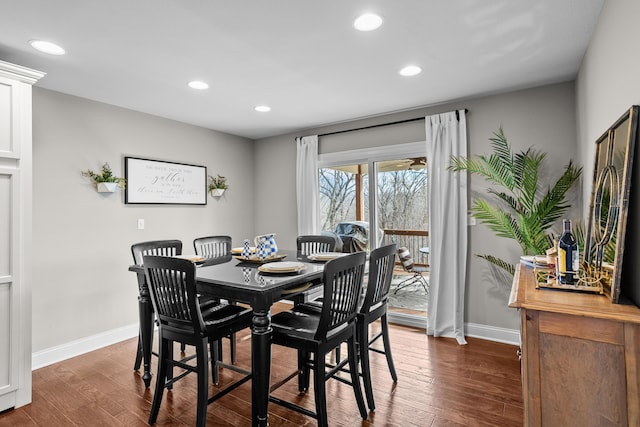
(217, 185)
(105, 181)
(520, 207)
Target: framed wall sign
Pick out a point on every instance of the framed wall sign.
(159, 182)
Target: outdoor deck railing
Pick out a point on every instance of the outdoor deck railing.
(412, 239)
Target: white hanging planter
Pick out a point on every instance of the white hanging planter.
(107, 187)
(217, 192)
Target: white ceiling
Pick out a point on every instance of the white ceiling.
(301, 57)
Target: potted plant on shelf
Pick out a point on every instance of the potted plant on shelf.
(217, 185)
(105, 181)
(523, 207)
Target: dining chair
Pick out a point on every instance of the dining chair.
(314, 335)
(212, 246)
(139, 251)
(374, 307)
(215, 247)
(312, 244)
(406, 260)
(308, 245)
(181, 318)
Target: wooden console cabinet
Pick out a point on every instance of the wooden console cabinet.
(580, 356)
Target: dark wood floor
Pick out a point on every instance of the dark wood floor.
(440, 384)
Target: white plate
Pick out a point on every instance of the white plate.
(325, 256)
(282, 267)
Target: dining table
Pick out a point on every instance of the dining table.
(234, 279)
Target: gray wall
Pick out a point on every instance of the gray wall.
(82, 238)
(542, 117)
(609, 79)
(608, 85)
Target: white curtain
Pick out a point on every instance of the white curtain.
(447, 136)
(307, 185)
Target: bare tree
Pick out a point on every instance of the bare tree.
(337, 196)
(402, 198)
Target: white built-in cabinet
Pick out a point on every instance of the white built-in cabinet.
(15, 233)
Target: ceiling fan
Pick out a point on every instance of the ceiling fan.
(418, 163)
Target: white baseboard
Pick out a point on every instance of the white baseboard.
(474, 330)
(407, 320)
(493, 333)
(71, 349)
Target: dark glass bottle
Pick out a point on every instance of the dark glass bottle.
(568, 257)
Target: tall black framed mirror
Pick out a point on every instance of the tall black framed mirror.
(609, 206)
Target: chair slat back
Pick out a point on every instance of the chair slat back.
(313, 244)
(342, 279)
(381, 262)
(172, 286)
(155, 247)
(212, 246)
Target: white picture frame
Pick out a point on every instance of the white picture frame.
(162, 182)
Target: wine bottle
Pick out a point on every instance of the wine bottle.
(568, 256)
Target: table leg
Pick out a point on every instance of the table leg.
(261, 366)
(145, 312)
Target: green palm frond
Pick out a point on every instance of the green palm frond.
(501, 147)
(518, 207)
(497, 220)
(553, 205)
(531, 162)
(510, 268)
(508, 199)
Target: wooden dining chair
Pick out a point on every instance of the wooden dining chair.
(374, 307)
(139, 251)
(314, 335)
(215, 247)
(181, 318)
(312, 244)
(212, 246)
(308, 245)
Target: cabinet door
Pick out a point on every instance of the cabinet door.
(9, 307)
(10, 94)
(582, 372)
(15, 233)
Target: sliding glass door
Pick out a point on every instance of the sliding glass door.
(374, 197)
(402, 215)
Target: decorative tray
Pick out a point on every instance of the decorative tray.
(254, 258)
(587, 279)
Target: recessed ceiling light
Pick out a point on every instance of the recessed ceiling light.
(263, 108)
(367, 22)
(197, 84)
(410, 70)
(47, 47)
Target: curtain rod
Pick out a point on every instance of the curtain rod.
(381, 124)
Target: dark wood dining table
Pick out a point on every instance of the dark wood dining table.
(239, 281)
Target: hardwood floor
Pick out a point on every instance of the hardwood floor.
(440, 384)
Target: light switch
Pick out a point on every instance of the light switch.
(140, 224)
